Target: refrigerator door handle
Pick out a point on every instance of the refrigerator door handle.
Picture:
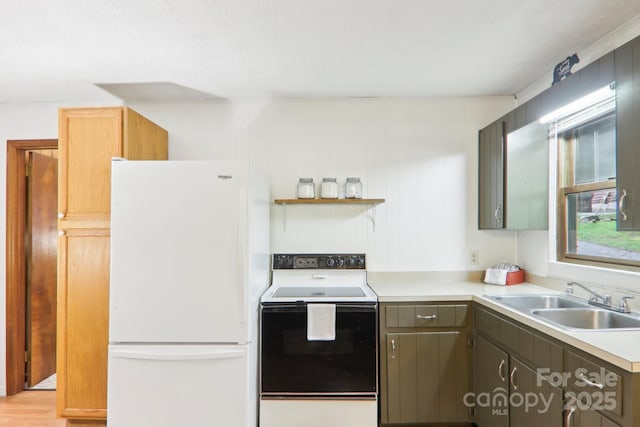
(177, 356)
(243, 278)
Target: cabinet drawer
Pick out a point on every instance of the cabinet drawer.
(426, 316)
(529, 345)
(540, 351)
(488, 324)
(578, 366)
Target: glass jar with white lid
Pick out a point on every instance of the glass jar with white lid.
(329, 188)
(306, 188)
(353, 188)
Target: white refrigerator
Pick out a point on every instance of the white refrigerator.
(189, 261)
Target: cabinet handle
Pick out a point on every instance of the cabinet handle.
(501, 370)
(513, 378)
(424, 317)
(568, 416)
(393, 348)
(61, 215)
(621, 205)
(588, 382)
(62, 233)
(498, 214)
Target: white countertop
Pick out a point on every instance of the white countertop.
(620, 348)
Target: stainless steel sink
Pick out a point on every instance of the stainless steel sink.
(530, 302)
(588, 318)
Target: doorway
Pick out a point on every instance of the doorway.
(31, 254)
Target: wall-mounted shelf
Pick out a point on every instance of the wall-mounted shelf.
(328, 201)
(370, 202)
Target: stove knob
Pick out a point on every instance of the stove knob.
(351, 262)
(360, 262)
(283, 261)
(340, 262)
(331, 262)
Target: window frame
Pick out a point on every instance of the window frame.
(565, 186)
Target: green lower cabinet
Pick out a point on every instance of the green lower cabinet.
(525, 378)
(586, 418)
(427, 377)
(507, 392)
(491, 387)
(425, 371)
(533, 400)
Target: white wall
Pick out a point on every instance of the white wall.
(418, 154)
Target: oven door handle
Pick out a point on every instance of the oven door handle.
(303, 305)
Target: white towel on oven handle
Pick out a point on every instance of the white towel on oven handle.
(321, 322)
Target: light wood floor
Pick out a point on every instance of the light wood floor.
(30, 409)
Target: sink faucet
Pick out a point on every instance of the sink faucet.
(604, 299)
(624, 305)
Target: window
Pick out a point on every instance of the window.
(587, 199)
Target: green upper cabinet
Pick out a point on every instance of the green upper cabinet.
(491, 176)
(627, 73)
(513, 175)
(527, 178)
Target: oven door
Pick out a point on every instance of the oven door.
(292, 365)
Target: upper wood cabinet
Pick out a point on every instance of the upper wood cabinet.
(88, 139)
(627, 67)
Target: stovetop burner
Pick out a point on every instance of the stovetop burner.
(319, 278)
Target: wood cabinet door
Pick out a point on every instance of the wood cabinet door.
(88, 139)
(491, 177)
(491, 388)
(627, 71)
(83, 317)
(41, 267)
(427, 377)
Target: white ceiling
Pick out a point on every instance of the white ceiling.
(60, 50)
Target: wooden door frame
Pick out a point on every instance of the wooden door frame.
(15, 259)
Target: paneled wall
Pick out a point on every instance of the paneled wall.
(418, 154)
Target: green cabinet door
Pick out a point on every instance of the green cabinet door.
(586, 418)
(427, 377)
(627, 72)
(491, 176)
(490, 384)
(533, 400)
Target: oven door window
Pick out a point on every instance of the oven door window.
(291, 364)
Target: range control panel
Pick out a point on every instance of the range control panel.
(319, 261)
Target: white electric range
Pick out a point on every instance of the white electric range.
(318, 343)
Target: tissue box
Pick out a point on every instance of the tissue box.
(503, 277)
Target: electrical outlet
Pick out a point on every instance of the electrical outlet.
(474, 257)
